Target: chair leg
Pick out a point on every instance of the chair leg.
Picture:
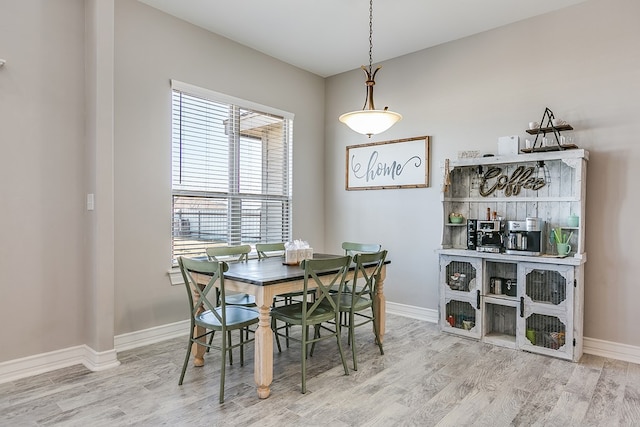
(287, 328)
(375, 332)
(352, 341)
(223, 367)
(313, 344)
(344, 362)
(186, 359)
(274, 328)
(230, 349)
(210, 341)
(303, 353)
(241, 348)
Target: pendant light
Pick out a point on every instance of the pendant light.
(370, 121)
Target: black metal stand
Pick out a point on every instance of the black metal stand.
(550, 127)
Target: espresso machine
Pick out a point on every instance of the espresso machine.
(525, 237)
(489, 236)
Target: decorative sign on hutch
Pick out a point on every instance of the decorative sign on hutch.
(515, 278)
(523, 177)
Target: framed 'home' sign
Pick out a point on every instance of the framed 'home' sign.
(402, 163)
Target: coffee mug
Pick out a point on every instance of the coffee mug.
(467, 325)
(563, 249)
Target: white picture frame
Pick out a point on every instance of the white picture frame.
(400, 163)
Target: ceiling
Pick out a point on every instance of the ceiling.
(328, 37)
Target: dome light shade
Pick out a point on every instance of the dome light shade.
(370, 122)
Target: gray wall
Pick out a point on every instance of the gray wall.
(42, 264)
(584, 64)
(150, 49)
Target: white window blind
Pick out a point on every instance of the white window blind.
(231, 171)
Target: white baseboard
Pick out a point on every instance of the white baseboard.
(97, 361)
(46, 362)
(613, 350)
(412, 312)
(151, 336)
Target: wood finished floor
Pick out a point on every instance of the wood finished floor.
(425, 378)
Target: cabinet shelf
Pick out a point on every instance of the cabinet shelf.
(549, 129)
(500, 299)
(550, 148)
(503, 340)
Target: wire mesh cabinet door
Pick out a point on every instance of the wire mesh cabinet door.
(460, 293)
(546, 324)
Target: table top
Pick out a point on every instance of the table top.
(269, 271)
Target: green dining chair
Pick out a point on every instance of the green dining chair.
(267, 250)
(239, 253)
(205, 314)
(319, 276)
(352, 248)
(357, 302)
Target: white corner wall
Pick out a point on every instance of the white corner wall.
(42, 265)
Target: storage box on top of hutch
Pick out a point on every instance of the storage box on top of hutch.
(544, 313)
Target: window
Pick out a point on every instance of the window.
(231, 171)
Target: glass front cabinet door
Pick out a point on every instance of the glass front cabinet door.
(461, 280)
(546, 323)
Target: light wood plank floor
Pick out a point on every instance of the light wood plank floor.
(425, 378)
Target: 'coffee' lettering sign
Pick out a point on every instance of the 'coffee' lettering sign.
(391, 164)
(494, 180)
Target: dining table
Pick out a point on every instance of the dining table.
(265, 278)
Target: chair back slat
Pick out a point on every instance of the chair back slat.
(229, 253)
(364, 282)
(266, 250)
(198, 295)
(352, 248)
(323, 274)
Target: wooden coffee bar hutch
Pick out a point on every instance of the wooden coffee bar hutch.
(532, 303)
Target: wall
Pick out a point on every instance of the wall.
(42, 269)
(151, 48)
(581, 62)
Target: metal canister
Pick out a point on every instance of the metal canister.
(522, 241)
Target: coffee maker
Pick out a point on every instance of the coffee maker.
(489, 236)
(524, 237)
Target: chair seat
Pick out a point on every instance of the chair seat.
(237, 317)
(292, 313)
(346, 303)
(240, 299)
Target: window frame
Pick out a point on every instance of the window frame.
(233, 195)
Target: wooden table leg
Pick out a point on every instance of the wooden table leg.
(380, 304)
(263, 369)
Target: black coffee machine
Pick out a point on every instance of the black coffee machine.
(524, 237)
(489, 236)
